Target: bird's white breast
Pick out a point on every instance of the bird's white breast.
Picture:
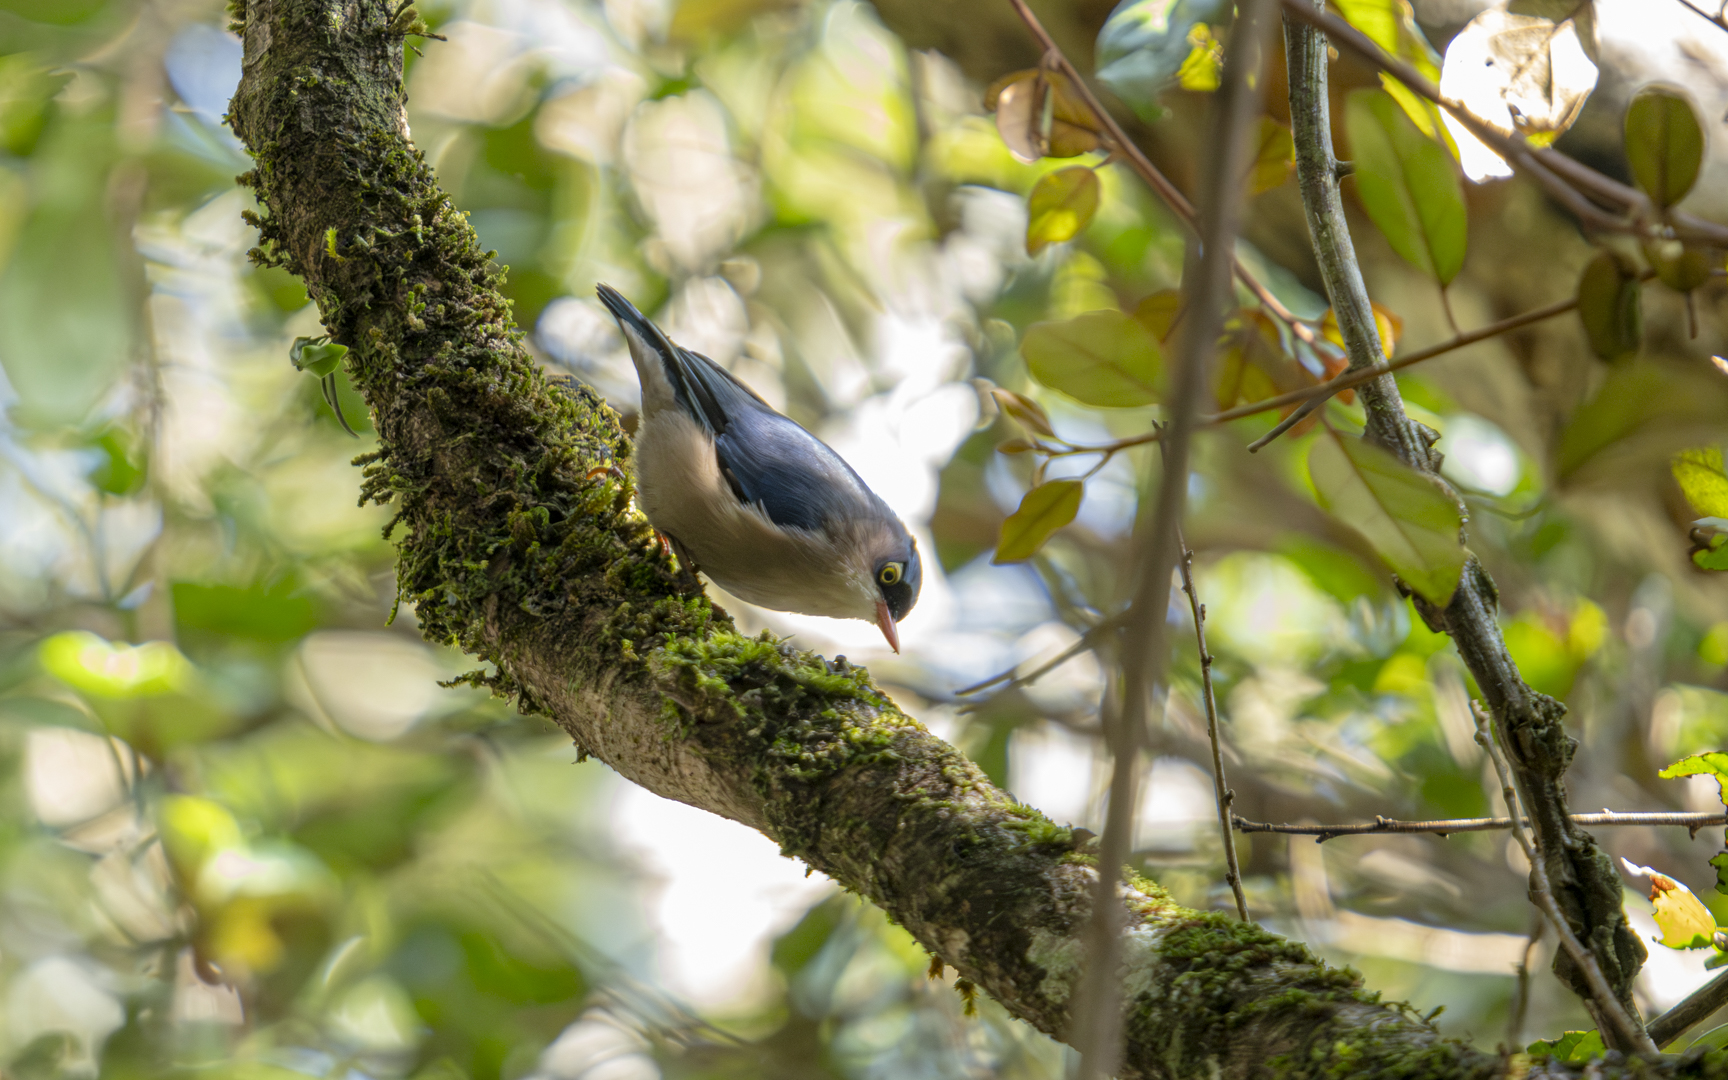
(680, 488)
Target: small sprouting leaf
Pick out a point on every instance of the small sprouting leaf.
(1024, 409)
(1411, 518)
(1274, 158)
(1683, 919)
(1046, 508)
(1576, 1046)
(1679, 266)
(1060, 207)
(1102, 358)
(1408, 185)
(316, 356)
(1664, 145)
(1702, 478)
(1610, 304)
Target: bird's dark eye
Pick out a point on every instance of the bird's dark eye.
(891, 573)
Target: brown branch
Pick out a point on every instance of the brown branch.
(1528, 722)
(1616, 1022)
(1150, 173)
(1693, 1010)
(1447, 826)
(1548, 167)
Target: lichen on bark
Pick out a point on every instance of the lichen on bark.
(518, 543)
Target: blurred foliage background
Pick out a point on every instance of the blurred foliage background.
(245, 831)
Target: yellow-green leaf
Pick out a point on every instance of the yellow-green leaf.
(1683, 919)
(1701, 476)
(1664, 144)
(1411, 519)
(1159, 312)
(1046, 508)
(1408, 185)
(1274, 158)
(1387, 325)
(1710, 763)
(1610, 304)
(1199, 70)
(1102, 358)
(1060, 207)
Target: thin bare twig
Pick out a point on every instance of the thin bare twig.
(1150, 174)
(1096, 1019)
(1007, 680)
(1695, 1008)
(1603, 1002)
(1521, 992)
(1448, 826)
(1220, 790)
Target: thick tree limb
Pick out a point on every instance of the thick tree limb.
(1585, 885)
(516, 546)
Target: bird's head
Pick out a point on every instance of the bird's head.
(898, 575)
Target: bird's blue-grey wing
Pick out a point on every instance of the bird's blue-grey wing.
(767, 459)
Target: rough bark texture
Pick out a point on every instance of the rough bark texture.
(1582, 875)
(518, 545)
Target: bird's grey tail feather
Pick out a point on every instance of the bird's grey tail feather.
(703, 388)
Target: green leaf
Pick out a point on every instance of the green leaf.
(1408, 185)
(1610, 304)
(1274, 158)
(1045, 509)
(1577, 1046)
(1664, 145)
(1410, 518)
(1102, 358)
(1701, 476)
(1060, 207)
(1643, 414)
(316, 359)
(1711, 552)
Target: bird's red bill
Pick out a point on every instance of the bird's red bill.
(886, 622)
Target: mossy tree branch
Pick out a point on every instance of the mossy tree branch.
(1528, 723)
(517, 545)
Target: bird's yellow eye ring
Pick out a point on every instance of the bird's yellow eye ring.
(890, 574)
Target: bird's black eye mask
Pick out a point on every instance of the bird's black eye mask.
(898, 581)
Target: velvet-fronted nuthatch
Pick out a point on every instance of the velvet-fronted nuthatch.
(760, 505)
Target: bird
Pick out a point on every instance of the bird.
(765, 509)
